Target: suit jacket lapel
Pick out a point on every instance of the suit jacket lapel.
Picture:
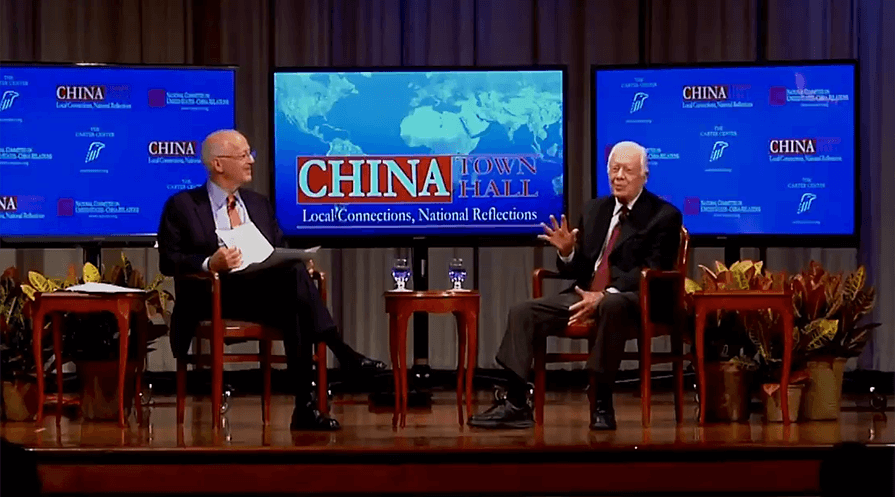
(205, 215)
(637, 219)
(601, 230)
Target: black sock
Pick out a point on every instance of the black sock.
(604, 387)
(517, 390)
(344, 354)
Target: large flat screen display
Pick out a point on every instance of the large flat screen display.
(92, 152)
(767, 151)
(418, 152)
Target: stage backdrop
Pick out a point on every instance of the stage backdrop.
(258, 34)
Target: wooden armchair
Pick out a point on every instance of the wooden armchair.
(650, 327)
(219, 332)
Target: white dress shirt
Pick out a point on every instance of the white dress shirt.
(218, 197)
(612, 223)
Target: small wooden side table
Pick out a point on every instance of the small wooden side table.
(464, 305)
(55, 305)
(744, 300)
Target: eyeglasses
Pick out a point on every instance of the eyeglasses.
(629, 171)
(242, 156)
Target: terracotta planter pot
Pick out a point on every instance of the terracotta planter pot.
(823, 397)
(19, 400)
(773, 412)
(99, 389)
(726, 392)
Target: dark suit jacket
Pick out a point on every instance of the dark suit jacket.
(649, 238)
(186, 236)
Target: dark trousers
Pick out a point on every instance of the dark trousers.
(617, 320)
(286, 298)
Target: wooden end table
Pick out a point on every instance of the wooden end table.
(464, 305)
(744, 300)
(55, 305)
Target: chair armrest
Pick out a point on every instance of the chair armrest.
(648, 277)
(537, 280)
(215, 279)
(204, 275)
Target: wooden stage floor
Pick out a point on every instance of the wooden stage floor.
(433, 454)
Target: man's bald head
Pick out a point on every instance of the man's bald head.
(228, 159)
(220, 142)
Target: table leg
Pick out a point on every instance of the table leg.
(461, 361)
(472, 343)
(37, 326)
(141, 364)
(124, 318)
(57, 352)
(402, 360)
(700, 358)
(393, 344)
(787, 363)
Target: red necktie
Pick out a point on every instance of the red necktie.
(601, 275)
(233, 212)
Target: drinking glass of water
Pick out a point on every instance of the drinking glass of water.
(457, 273)
(401, 273)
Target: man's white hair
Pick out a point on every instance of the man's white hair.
(212, 146)
(641, 151)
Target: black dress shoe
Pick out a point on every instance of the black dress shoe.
(602, 417)
(504, 414)
(367, 363)
(363, 363)
(310, 419)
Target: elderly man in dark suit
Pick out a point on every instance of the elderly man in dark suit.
(617, 237)
(282, 296)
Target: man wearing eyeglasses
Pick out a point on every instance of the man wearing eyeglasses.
(617, 236)
(282, 296)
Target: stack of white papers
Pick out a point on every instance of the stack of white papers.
(257, 250)
(102, 288)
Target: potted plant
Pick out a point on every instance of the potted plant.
(17, 367)
(729, 365)
(91, 339)
(765, 329)
(827, 310)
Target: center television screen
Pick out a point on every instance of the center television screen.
(418, 152)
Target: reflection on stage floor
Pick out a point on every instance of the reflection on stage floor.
(365, 427)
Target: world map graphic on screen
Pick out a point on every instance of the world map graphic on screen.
(416, 153)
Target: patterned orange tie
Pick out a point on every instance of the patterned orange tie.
(601, 275)
(233, 212)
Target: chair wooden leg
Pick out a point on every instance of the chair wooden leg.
(677, 347)
(181, 388)
(699, 343)
(461, 362)
(265, 346)
(322, 382)
(217, 382)
(57, 352)
(644, 346)
(540, 366)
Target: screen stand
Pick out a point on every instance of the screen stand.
(731, 254)
(419, 383)
(93, 253)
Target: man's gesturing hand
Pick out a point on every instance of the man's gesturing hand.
(224, 259)
(584, 309)
(559, 236)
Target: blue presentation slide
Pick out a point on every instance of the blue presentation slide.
(94, 151)
(764, 150)
(418, 153)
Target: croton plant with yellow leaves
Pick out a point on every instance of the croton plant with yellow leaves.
(93, 336)
(827, 309)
